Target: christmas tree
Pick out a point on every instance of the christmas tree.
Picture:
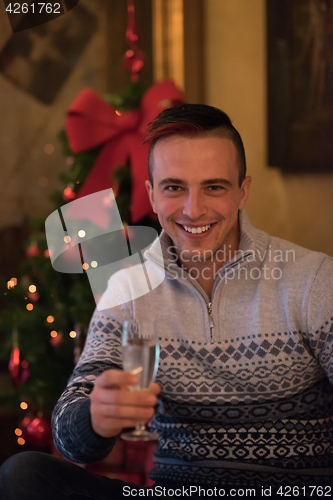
(45, 313)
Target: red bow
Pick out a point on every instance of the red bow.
(91, 122)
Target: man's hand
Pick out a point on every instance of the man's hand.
(113, 406)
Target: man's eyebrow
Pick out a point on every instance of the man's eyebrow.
(171, 180)
(207, 182)
(217, 180)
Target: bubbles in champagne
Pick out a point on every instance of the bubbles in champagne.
(140, 357)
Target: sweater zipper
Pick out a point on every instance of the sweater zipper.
(211, 321)
(209, 304)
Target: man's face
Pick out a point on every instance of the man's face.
(196, 195)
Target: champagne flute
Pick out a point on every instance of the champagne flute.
(140, 357)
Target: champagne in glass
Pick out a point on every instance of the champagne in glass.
(140, 357)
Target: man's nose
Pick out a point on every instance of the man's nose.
(194, 206)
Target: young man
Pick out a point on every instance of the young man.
(245, 326)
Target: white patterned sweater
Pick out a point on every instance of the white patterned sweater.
(246, 391)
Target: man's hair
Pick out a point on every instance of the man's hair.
(195, 120)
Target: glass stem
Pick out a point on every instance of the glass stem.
(140, 428)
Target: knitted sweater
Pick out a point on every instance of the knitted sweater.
(245, 378)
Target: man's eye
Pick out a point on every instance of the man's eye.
(215, 188)
(172, 188)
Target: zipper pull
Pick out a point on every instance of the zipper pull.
(211, 322)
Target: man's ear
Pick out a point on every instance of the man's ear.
(150, 191)
(245, 191)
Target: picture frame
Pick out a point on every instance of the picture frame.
(40, 59)
(300, 85)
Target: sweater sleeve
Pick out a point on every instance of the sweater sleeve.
(320, 316)
(73, 434)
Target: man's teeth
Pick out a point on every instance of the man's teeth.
(197, 230)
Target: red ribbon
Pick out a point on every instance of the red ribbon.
(91, 122)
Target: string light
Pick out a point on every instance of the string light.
(85, 266)
(18, 432)
(50, 319)
(10, 284)
(21, 441)
(67, 239)
(72, 334)
(54, 334)
(24, 405)
(29, 306)
(81, 233)
(68, 194)
(49, 149)
(14, 280)
(32, 288)
(94, 263)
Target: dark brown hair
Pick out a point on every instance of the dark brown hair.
(195, 120)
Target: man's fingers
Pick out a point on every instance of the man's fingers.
(126, 398)
(113, 427)
(136, 414)
(116, 378)
(155, 388)
(114, 406)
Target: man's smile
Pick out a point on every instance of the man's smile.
(197, 231)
